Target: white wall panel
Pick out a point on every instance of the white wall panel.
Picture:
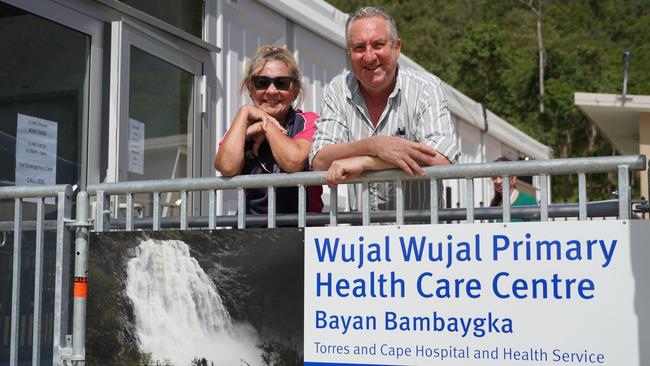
(492, 152)
(472, 150)
(319, 60)
(246, 26)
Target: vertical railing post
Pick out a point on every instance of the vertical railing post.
(38, 282)
(582, 197)
(103, 212)
(129, 212)
(647, 197)
(184, 210)
(399, 202)
(469, 197)
(15, 286)
(302, 206)
(365, 204)
(271, 214)
(334, 206)
(241, 208)
(156, 212)
(623, 192)
(80, 292)
(543, 197)
(62, 274)
(212, 209)
(435, 203)
(505, 194)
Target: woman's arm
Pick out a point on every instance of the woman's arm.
(249, 124)
(230, 155)
(291, 155)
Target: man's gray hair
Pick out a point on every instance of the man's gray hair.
(372, 11)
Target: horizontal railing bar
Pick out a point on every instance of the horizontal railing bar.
(456, 171)
(27, 225)
(34, 191)
(594, 209)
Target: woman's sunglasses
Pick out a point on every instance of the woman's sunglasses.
(280, 82)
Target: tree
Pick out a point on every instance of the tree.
(485, 49)
(539, 11)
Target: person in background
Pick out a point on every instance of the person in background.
(379, 115)
(517, 197)
(270, 136)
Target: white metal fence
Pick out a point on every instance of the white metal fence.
(114, 210)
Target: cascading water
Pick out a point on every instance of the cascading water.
(179, 314)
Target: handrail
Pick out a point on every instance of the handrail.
(475, 170)
(34, 191)
(595, 209)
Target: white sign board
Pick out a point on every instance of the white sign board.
(36, 140)
(552, 293)
(136, 146)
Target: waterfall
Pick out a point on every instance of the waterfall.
(178, 313)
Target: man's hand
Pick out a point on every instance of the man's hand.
(404, 154)
(344, 169)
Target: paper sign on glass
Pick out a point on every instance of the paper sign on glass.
(136, 146)
(35, 152)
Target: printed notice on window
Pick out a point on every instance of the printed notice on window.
(35, 152)
(136, 146)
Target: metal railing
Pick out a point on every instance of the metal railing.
(622, 165)
(104, 194)
(63, 196)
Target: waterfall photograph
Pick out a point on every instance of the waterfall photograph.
(198, 297)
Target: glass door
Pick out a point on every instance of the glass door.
(155, 127)
(50, 105)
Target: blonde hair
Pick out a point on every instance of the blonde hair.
(268, 53)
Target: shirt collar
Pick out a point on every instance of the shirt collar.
(398, 85)
(290, 118)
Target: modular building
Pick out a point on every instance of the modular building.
(141, 90)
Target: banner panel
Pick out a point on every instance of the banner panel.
(472, 294)
(195, 297)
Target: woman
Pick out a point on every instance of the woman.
(270, 136)
(517, 198)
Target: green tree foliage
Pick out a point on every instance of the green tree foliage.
(488, 50)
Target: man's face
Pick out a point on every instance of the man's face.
(373, 57)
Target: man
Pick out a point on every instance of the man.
(380, 116)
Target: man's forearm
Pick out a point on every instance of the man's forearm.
(331, 153)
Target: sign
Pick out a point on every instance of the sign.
(136, 146)
(36, 140)
(551, 293)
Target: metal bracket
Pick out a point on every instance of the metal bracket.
(641, 207)
(76, 224)
(66, 357)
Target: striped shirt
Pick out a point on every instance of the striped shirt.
(416, 110)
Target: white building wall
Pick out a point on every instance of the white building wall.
(319, 60)
(234, 29)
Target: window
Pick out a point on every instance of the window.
(184, 14)
(43, 69)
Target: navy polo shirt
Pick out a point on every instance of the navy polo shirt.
(286, 198)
